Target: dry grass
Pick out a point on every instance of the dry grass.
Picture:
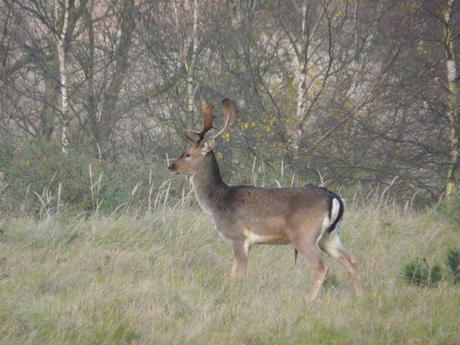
(164, 279)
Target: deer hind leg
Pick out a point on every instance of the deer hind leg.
(311, 253)
(240, 259)
(330, 243)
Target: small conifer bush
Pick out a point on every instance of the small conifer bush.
(419, 273)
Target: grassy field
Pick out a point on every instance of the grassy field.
(163, 278)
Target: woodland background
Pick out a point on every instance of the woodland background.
(95, 95)
(100, 244)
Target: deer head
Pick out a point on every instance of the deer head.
(192, 158)
(248, 215)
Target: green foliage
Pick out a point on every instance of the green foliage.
(40, 175)
(331, 282)
(453, 263)
(419, 273)
(39, 170)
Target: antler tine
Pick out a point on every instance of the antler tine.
(208, 117)
(230, 112)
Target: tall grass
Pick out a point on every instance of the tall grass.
(160, 275)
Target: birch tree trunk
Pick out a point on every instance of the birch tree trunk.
(190, 60)
(300, 76)
(452, 102)
(313, 17)
(61, 50)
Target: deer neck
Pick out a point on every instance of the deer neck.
(208, 184)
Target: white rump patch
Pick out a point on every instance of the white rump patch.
(335, 210)
(327, 222)
(324, 226)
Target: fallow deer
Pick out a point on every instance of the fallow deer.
(307, 217)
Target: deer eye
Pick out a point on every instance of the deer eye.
(187, 155)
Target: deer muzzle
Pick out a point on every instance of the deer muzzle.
(172, 167)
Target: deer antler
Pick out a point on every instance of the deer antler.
(208, 116)
(230, 111)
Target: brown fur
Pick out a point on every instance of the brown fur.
(249, 215)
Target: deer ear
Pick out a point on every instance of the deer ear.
(207, 146)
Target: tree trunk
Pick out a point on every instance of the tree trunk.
(63, 74)
(452, 103)
(191, 61)
(92, 108)
(300, 76)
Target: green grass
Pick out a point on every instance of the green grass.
(163, 278)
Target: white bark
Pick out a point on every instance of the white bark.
(61, 50)
(300, 76)
(190, 63)
(452, 101)
(304, 48)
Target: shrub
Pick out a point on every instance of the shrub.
(40, 176)
(453, 262)
(419, 273)
(331, 282)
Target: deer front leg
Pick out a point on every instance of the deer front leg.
(240, 260)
